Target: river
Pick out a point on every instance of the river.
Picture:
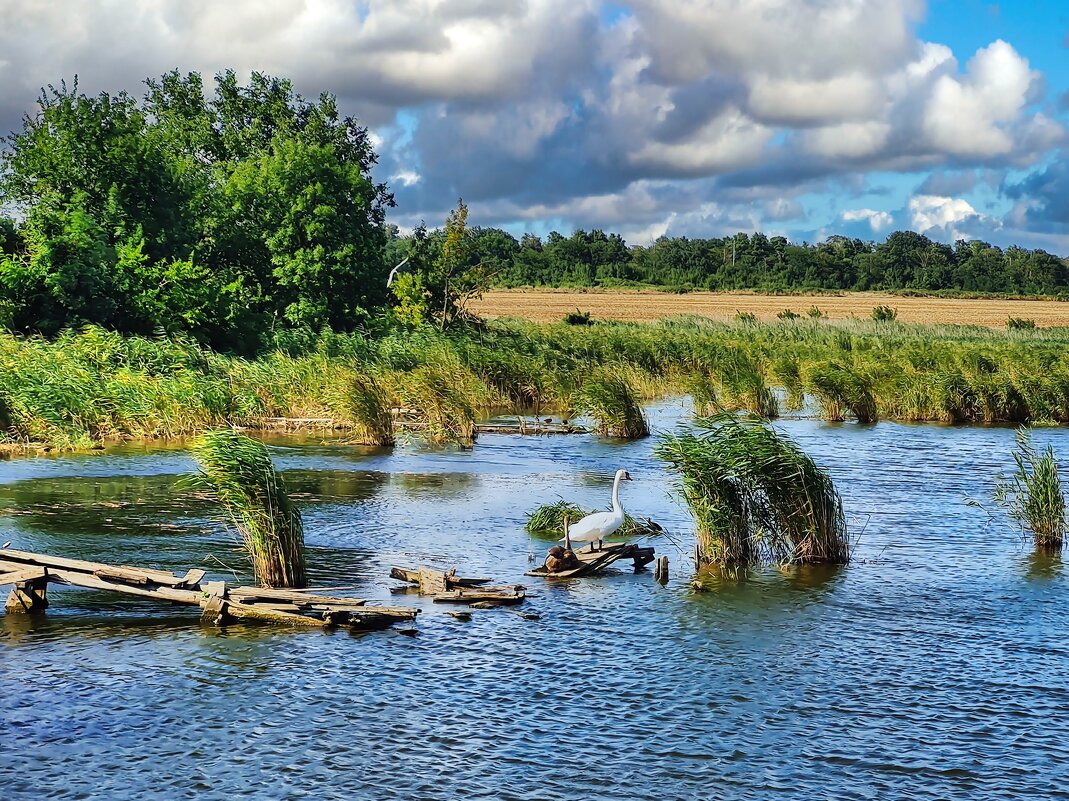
(933, 666)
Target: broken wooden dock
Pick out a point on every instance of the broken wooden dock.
(31, 573)
(449, 588)
(405, 422)
(594, 561)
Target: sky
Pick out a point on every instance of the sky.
(801, 118)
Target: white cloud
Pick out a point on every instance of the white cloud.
(974, 114)
(928, 212)
(878, 220)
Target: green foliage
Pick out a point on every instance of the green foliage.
(755, 496)
(815, 313)
(225, 214)
(548, 521)
(1033, 494)
(1020, 324)
(365, 404)
(840, 388)
(609, 398)
(445, 274)
(578, 318)
(787, 315)
(745, 317)
(905, 262)
(239, 471)
(884, 314)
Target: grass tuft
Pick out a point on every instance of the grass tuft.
(239, 471)
(1033, 493)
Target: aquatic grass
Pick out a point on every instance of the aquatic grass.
(444, 395)
(703, 393)
(547, 521)
(608, 397)
(239, 471)
(365, 405)
(1033, 494)
(840, 388)
(754, 495)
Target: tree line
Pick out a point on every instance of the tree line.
(237, 213)
(904, 261)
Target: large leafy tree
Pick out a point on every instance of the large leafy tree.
(223, 214)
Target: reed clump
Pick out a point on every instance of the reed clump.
(1033, 494)
(367, 408)
(756, 497)
(608, 397)
(841, 389)
(239, 471)
(548, 521)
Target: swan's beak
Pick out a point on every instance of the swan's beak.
(627, 477)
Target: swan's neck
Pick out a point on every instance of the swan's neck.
(616, 507)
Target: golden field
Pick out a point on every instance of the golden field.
(550, 305)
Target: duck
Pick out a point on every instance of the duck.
(596, 527)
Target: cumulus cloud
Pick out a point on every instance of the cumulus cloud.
(932, 212)
(661, 116)
(878, 221)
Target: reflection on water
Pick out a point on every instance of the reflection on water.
(933, 667)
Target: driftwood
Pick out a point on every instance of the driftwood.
(593, 561)
(30, 573)
(449, 588)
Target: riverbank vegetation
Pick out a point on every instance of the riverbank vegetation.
(86, 387)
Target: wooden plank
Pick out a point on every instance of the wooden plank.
(20, 576)
(403, 574)
(123, 575)
(261, 594)
(498, 595)
(192, 578)
(431, 582)
(47, 560)
(78, 578)
(452, 579)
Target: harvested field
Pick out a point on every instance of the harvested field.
(547, 305)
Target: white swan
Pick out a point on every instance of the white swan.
(596, 527)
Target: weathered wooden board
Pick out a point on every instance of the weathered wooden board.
(47, 560)
(512, 594)
(452, 579)
(30, 573)
(25, 574)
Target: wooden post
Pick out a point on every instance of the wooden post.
(28, 597)
(660, 572)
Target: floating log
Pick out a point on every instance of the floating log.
(594, 561)
(451, 580)
(31, 573)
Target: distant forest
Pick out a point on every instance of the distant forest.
(904, 261)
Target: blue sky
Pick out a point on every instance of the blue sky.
(693, 117)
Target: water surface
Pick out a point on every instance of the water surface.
(933, 667)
